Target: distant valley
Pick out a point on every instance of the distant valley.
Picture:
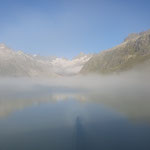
(19, 64)
(133, 52)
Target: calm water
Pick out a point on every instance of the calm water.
(73, 119)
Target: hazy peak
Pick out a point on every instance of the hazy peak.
(81, 54)
(133, 51)
(134, 36)
(2, 45)
(131, 36)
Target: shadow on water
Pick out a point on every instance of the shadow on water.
(115, 115)
(81, 141)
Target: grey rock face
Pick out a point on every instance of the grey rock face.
(19, 64)
(133, 51)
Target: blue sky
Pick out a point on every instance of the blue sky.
(66, 27)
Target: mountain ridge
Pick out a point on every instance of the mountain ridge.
(134, 50)
(20, 64)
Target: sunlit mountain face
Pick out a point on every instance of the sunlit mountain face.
(70, 67)
(132, 53)
(17, 63)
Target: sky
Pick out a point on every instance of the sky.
(64, 28)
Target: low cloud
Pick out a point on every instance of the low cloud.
(127, 93)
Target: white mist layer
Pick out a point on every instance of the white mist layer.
(126, 93)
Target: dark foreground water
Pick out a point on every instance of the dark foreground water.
(74, 120)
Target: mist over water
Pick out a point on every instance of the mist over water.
(75, 113)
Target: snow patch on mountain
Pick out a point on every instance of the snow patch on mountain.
(64, 66)
(18, 63)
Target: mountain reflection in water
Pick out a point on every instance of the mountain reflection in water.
(64, 118)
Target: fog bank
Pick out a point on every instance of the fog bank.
(127, 93)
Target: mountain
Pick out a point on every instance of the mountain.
(19, 64)
(67, 67)
(133, 52)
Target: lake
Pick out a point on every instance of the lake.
(48, 117)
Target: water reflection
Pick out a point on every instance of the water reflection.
(80, 135)
(75, 118)
(70, 125)
(133, 105)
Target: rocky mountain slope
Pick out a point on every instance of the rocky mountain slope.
(19, 64)
(67, 67)
(134, 51)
